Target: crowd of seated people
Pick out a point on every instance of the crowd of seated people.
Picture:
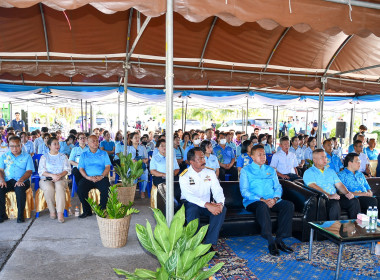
(226, 155)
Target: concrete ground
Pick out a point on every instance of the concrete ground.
(45, 249)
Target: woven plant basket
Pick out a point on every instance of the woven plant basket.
(126, 194)
(114, 232)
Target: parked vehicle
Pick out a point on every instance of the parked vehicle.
(265, 125)
(190, 124)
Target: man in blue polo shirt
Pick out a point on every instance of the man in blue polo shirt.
(94, 165)
(226, 158)
(356, 182)
(326, 181)
(18, 123)
(333, 161)
(262, 193)
(371, 151)
(16, 167)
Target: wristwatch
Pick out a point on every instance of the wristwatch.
(276, 198)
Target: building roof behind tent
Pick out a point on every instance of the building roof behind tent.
(253, 45)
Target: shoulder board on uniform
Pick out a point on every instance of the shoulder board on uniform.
(183, 172)
(210, 168)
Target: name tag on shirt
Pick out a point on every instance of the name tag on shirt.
(207, 179)
(191, 181)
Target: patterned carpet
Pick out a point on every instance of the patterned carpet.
(248, 258)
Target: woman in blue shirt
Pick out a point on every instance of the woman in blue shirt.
(211, 160)
(43, 148)
(185, 142)
(118, 137)
(139, 152)
(311, 143)
(66, 146)
(245, 158)
(108, 145)
(269, 147)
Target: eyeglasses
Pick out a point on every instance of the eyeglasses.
(15, 146)
(82, 138)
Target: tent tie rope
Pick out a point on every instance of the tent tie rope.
(67, 18)
(290, 6)
(349, 9)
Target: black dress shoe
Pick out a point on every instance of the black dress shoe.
(283, 247)
(85, 215)
(20, 220)
(3, 218)
(273, 250)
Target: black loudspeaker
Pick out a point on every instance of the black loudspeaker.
(340, 130)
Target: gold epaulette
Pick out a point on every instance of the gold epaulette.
(183, 172)
(210, 168)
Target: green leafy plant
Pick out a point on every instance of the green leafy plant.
(178, 249)
(129, 170)
(114, 208)
(309, 163)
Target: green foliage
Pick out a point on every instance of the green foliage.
(114, 208)
(129, 170)
(178, 249)
(309, 163)
(333, 132)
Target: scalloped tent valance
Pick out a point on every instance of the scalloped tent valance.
(218, 45)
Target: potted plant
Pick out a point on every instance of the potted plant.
(178, 249)
(129, 171)
(113, 221)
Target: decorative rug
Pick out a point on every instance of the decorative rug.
(248, 258)
(234, 268)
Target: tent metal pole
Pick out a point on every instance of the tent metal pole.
(363, 4)
(45, 33)
(275, 139)
(352, 122)
(91, 119)
(10, 112)
(206, 42)
(320, 112)
(307, 120)
(126, 69)
(85, 122)
(246, 124)
(118, 112)
(81, 112)
(141, 31)
(274, 124)
(182, 115)
(275, 47)
(184, 126)
(242, 118)
(169, 113)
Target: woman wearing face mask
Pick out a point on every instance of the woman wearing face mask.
(238, 148)
(196, 142)
(185, 142)
(226, 158)
(211, 160)
(53, 169)
(245, 158)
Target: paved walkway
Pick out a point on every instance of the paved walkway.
(45, 249)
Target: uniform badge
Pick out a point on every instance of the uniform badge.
(207, 178)
(191, 180)
(268, 173)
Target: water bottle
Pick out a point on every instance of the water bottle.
(377, 249)
(70, 210)
(76, 211)
(369, 214)
(375, 214)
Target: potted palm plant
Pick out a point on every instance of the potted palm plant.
(178, 249)
(129, 171)
(113, 221)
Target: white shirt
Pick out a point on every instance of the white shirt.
(54, 164)
(364, 160)
(284, 163)
(196, 186)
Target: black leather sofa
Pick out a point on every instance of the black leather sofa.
(239, 222)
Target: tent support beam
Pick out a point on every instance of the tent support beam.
(45, 32)
(182, 115)
(274, 125)
(184, 126)
(206, 42)
(275, 47)
(355, 70)
(362, 4)
(85, 121)
(246, 124)
(138, 37)
(307, 121)
(352, 124)
(169, 75)
(337, 52)
(275, 138)
(320, 112)
(118, 112)
(91, 119)
(81, 112)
